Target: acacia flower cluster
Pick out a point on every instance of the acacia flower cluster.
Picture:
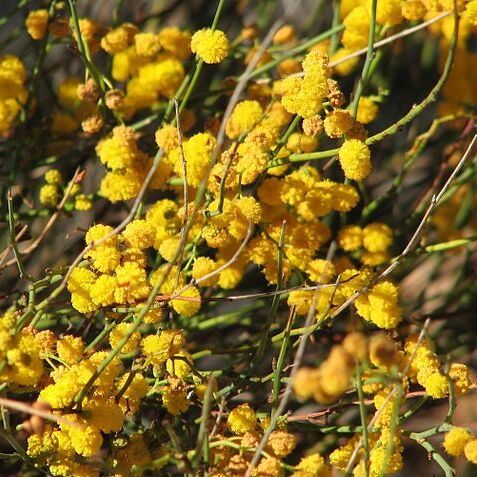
(234, 222)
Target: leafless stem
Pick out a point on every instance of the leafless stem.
(34, 245)
(294, 369)
(186, 194)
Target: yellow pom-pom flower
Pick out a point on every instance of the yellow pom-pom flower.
(70, 349)
(203, 266)
(350, 238)
(367, 110)
(83, 202)
(49, 195)
(119, 332)
(212, 46)
(167, 138)
(460, 375)
(338, 123)
(377, 237)
(53, 176)
(282, 443)
(147, 44)
(190, 305)
(242, 419)
(139, 234)
(244, 116)
(455, 441)
(355, 159)
(36, 23)
(470, 451)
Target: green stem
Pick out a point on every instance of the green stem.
(335, 39)
(279, 366)
(276, 301)
(13, 242)
(185, 99)
(364, 418)
(443, 464)
(107, 328)
(367, 62)
(215, 21)
(82, 47)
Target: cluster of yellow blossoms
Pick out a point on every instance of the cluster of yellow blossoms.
(381, 357)
(246, 430)
(222, 203)
(12, 90)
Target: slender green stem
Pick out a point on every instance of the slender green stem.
(283, 140)
(82, 47)
(335, 39)
(277, 375)
(202, 437)
(99, 337)
(276, 301)
(443, 464)
(368, 60)
(218, 11)
(13, 242)
(364, 418)
(190, 88)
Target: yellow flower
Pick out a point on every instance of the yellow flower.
(350, 238)
(470, 451)
(102, 290)
(377, 237)
(282, 443)
(314, 465)
(70, 349)
(120, 332)
(188, 307)
(139, 234)
(367, 110)
(380, 305)
(455, 441)
(83, 202)
(436, 385)
(119, 39)
(338, 123)
(147, 44)
(460, 375)
(49, 195)
(53, 176)
(158, 348)
(167, 138)
(210, 45)
(354, 157)
(174, 397)
(36, 23)
(244, 116)
(179, 364)
(285, 34)
(203, 266)
(304, 96)
(242, 419)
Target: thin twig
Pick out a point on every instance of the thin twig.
(294, 369)
(183, 239)
(34, 245)
(22, 407)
